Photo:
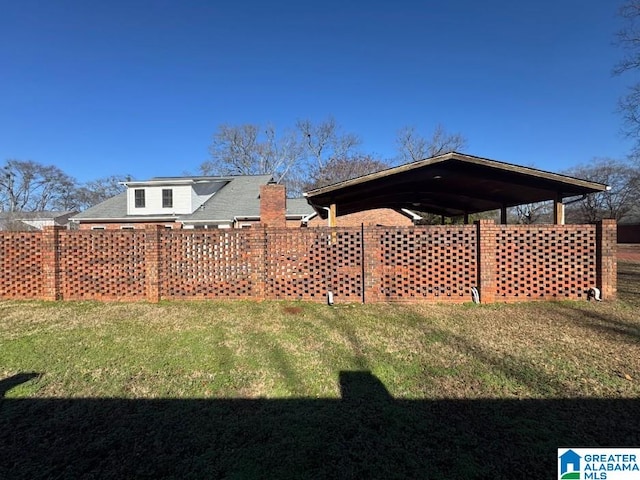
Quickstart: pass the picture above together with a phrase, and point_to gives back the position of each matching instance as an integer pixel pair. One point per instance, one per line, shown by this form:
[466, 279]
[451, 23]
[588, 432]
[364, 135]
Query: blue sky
[139, 87]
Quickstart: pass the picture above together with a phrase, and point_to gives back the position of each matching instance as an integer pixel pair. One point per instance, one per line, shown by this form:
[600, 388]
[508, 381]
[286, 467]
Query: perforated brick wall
[371, 264]
[205, 264]
[309, 263]
[102, 265]
[21, 265]
[545, 262]
[436, 263]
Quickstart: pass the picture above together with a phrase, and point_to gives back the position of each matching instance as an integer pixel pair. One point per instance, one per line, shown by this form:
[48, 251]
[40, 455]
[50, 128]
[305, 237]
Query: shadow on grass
[606, 322]
[629, 282]
[365, 434]
[15, 380]
[603, 323]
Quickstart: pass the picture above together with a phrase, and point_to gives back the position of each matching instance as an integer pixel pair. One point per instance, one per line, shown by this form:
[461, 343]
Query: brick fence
[367, 264]
[629, 233]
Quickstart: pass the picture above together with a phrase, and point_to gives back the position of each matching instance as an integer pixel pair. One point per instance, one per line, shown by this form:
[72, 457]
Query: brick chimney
[273, 205]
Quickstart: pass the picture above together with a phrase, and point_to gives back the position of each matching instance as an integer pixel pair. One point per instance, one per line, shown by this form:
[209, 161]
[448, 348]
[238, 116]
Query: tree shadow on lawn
[629, 282]
[364, 434]
[602, 322]
[15, 380]
[607, 322]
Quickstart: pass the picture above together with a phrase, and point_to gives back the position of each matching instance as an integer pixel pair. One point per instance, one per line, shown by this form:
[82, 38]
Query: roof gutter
[410, 214]
[306, 218]
[123, 219]
[288, 216]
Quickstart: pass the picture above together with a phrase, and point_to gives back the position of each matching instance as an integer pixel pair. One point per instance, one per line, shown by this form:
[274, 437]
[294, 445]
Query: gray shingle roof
[240, 197]
[299, 206]
[113, 208]
[16, 225]
[39, 215]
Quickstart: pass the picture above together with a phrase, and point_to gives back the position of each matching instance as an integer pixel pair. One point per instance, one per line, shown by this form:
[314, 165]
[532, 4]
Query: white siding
[182, 200]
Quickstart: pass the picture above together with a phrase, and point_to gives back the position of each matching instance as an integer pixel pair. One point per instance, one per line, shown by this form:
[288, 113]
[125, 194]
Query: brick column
[273, 205]
[606, 258]
[152, 256]
[51, 263]
[486, 239]
[371, 265]
[255, 256]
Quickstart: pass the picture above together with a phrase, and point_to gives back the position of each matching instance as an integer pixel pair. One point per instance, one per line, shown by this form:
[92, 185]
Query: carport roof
[451, 184]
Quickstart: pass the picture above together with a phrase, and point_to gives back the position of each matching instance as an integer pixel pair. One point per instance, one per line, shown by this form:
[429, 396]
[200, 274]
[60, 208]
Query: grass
[295, 390]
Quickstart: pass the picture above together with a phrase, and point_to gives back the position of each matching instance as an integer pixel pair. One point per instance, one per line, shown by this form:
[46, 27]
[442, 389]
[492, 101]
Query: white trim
[306, 218]
[127, 219]
[410, 214]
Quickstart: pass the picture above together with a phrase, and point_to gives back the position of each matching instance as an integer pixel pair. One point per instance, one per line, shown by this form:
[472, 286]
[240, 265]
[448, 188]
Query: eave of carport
[452, 184]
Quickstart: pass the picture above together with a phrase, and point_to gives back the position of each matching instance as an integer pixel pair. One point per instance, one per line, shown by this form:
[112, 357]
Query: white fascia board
[125, 219]
[410, 214]
[156, 183]
[206, 222]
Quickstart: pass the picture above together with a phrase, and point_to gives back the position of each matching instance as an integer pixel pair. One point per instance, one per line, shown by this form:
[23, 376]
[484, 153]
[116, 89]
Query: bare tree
[628, 38]
[30, 186]
[618, 203]
[95, 191]
[429, 218]
[340, 169]
[413, 147]
[252, 150]
[531, 213]
[325, 141]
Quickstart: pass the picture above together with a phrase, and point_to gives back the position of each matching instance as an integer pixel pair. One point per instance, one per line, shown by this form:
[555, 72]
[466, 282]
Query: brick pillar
[606, 258]
[152, 256]
[486, 239]
[51, 263]
[273, 205]
[255, 256]
[372, 268]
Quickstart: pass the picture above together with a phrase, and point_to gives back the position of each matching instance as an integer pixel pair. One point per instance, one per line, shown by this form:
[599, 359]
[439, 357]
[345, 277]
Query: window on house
[97, 228]
[139, 196]
[167, 198]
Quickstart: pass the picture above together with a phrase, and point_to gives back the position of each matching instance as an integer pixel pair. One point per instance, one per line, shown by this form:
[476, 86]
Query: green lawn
[299, 390]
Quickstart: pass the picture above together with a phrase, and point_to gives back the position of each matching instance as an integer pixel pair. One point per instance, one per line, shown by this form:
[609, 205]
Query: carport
[451, 185]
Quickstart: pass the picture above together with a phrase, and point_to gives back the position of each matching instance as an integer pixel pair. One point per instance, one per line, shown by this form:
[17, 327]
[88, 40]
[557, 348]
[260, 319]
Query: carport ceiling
[451, 184]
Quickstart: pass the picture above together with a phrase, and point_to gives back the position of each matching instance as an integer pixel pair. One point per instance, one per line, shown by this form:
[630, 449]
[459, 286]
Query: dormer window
[139, 198]
[167, 198]
[171, 196]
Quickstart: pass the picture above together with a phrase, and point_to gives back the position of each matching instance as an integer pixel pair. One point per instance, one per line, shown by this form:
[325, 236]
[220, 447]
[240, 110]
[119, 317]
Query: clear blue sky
[139, 86]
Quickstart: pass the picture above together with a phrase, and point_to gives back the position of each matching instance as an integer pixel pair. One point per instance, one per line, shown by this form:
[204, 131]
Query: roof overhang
[175, 181]
[451, 184]
[205, 221]
[150, 218]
